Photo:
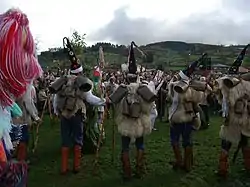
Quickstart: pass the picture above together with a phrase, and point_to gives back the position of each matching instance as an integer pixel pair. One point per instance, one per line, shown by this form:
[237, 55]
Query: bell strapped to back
[198, 85]
[246, 76]
[231, 81]
[57, 85]
[83, 83]
[181, 87]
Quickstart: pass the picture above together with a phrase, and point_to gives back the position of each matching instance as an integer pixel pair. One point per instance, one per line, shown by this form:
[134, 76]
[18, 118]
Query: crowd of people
[112, 79]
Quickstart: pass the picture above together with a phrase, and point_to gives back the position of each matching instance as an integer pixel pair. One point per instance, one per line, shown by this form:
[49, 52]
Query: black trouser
[161, 104]
[40, 105]
[205, 110]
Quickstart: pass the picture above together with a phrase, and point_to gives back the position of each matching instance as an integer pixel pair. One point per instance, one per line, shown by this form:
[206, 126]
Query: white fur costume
[236, 124]
[177, 113]
[153, 111]
[131, 127]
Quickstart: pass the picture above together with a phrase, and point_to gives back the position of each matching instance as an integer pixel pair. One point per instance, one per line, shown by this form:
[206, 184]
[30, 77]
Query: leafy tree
[78, 42]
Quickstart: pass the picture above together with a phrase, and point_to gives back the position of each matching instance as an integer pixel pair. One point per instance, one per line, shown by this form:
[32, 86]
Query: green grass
[44, 172]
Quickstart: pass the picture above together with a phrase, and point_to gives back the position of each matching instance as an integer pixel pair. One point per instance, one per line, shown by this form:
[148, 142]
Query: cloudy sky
[120, 21]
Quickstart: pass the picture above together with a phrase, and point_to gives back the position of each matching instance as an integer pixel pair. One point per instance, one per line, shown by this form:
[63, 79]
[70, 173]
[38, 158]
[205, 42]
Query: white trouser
[153, 116]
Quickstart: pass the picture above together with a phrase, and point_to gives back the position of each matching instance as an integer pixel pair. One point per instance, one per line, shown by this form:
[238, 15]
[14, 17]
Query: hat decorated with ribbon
[132, 67]
[187, 73]
[234, 69]
[75, 67]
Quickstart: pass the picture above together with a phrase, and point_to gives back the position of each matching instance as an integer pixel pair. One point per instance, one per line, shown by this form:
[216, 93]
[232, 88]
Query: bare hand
[38, 120]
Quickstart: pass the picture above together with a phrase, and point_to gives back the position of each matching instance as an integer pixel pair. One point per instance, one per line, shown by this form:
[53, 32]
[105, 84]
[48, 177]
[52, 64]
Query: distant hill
[169, 54]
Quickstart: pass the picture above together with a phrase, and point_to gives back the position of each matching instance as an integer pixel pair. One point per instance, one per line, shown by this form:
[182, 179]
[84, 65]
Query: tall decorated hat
[205, 62]
[231, 81]
[187, 73]
[75, 66]
[234, 69]
[132, 67]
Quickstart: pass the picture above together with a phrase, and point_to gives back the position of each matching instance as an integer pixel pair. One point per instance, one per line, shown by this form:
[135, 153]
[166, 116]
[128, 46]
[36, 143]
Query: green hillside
[169, 54]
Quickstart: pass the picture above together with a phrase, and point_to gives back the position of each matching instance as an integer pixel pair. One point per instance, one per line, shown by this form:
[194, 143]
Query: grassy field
[44, 172]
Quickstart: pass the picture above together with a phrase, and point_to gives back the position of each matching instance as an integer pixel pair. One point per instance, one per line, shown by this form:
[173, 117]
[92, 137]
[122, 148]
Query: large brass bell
[83, 83]
[119, 94]
[198, 85]
[231, 82]
[181, 87]
[57, 85]
[246, 76]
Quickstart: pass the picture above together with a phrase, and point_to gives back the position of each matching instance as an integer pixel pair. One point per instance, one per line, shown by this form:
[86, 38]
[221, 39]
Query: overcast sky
[121, 21]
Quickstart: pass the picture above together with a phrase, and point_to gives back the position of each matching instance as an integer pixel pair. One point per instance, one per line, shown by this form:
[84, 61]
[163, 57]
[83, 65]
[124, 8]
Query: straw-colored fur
[79, 100]
[219, 89]
[236, 124]
[28, 108]
[180, 115]
[131, 127]
[204, 95]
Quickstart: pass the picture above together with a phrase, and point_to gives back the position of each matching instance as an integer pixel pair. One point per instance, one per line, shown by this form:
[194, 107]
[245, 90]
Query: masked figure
[233, 95]
[72, 91]
[184, 115]
[133, 104]
[18, 69]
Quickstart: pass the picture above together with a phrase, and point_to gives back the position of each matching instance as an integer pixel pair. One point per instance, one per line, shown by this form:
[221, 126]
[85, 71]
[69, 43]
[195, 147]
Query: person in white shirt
[154, 113]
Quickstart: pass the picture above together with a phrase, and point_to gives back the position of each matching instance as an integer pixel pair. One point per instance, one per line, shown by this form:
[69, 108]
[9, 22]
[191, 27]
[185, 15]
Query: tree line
[166, 53]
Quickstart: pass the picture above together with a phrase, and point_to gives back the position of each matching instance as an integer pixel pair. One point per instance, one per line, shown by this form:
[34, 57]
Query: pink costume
[18, 68]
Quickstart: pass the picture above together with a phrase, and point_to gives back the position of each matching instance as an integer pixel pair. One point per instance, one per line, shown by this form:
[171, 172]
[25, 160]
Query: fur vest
[134, 127]
[235, 103]
[184, 107]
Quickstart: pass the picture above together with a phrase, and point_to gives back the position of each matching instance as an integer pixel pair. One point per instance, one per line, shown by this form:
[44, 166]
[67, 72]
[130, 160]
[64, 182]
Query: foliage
[92, 132]
[97, 90]
[44, 172]
[78, 42]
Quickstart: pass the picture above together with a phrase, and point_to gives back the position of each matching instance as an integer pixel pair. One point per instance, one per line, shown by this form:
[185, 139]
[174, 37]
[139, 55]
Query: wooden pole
[38, 126]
